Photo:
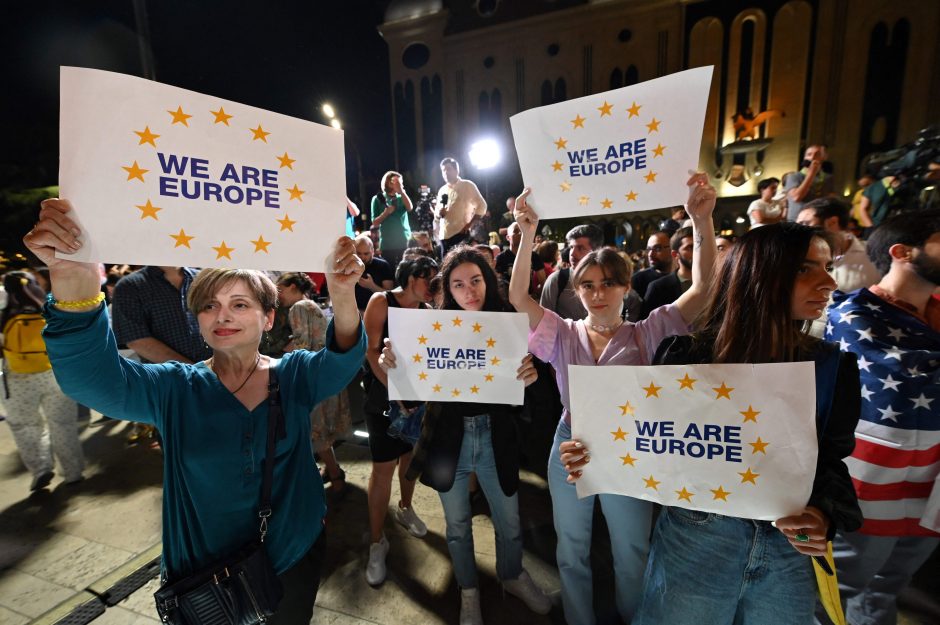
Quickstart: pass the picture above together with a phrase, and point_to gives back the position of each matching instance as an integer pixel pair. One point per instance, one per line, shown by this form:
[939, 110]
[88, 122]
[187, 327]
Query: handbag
[242, 588]
[405, 422]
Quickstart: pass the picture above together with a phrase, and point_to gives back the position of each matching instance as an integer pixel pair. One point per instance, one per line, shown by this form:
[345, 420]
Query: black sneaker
[42, 480]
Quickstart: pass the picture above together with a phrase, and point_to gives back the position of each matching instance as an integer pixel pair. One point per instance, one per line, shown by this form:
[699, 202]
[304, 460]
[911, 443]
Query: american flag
[897, 447]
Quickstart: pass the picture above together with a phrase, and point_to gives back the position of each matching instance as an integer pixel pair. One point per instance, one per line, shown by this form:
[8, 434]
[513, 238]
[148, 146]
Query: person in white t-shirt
[766, 209]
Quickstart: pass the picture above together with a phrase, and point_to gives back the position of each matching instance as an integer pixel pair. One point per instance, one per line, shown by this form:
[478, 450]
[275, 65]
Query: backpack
[23, 348]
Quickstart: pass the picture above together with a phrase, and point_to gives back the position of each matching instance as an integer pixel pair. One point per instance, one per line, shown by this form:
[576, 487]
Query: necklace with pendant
[245, 381]
[605, 329]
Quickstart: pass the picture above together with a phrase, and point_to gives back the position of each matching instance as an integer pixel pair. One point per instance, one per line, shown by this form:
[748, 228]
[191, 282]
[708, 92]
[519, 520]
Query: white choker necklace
[603, 329]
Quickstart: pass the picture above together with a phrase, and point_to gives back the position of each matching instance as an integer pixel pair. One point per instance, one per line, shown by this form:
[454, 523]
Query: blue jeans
[873, 570]
[708, 568]
[476, 455]
[629, 522]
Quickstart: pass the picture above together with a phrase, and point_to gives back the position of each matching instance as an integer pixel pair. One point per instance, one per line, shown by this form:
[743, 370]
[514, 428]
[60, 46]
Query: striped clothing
[897, 453]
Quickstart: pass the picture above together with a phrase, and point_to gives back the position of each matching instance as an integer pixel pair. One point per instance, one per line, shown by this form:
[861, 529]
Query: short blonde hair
[210, 281]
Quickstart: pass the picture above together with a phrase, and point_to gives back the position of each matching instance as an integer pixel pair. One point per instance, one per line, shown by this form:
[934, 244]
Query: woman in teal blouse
[212, 415]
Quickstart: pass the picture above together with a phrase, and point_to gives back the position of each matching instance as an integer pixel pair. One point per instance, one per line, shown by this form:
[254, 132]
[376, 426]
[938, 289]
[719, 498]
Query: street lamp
[485, 154]
[328, 111]
[335, 124]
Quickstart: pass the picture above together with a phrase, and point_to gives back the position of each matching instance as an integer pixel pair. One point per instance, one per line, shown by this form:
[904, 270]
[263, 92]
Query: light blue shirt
[213, 447]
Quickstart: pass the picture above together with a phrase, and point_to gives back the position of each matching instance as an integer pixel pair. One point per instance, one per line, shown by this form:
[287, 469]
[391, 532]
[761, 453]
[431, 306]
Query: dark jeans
[454, 241]
[301, 583]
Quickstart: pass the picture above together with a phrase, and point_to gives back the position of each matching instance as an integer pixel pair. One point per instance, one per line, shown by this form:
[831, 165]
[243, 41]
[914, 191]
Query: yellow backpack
[23, 348]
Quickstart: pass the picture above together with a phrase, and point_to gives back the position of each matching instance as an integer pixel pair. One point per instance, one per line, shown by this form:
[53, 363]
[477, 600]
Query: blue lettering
[199, 168]
[732, 454]
[234, 195]
[576, 157]
[214, 190]
[172, 162]
[250, 175]
[592, 154]
[639, 146]
[642, 444]
[626, 149]
[695, 450]
[573, 171]
[711, 430]
[732, 433]
[692, 432]
[168, 186]
[269, 178]
[272, 198]
[229, 173]
[192, 194]
[611, 153]
[641, 161]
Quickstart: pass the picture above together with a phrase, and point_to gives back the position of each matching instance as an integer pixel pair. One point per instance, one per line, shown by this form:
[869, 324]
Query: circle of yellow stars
[723, 391]
[135, 172]
[474, 389]
[607, 110]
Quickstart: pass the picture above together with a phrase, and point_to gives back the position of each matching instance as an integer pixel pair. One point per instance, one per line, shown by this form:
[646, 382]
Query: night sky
[279, 55]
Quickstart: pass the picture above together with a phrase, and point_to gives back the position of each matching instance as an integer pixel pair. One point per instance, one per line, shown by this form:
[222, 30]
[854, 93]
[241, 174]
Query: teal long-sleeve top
[213, 447]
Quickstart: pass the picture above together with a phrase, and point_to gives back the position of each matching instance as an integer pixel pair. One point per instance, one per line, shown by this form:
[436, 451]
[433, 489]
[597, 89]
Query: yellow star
[628, 459]
[495, 361]
[146, 136]
[583, 200]
[577, 122]
[286, 161]
[684, 494]
[758, 446]
[488, 377]
[423, 340]
[606, 203]
[749, 476]
[490, 342]
[135, 171]
[654, 125]
[259, 133]
[686, 382]
[287, 223]
[620, 435]
[221, 117]
[658, 150]
[652, 390]
[634, 110]
[455, 393]
[295, 193]
[477, 327]
[626, 409]
[436, 388]
[179, 117]
[565, 186]
[416, 358]
[723, 391]
[561, 144]
[223, 251]
[437, 326]
[261, 245]
[556, 166]
[474, 389]
[720, 493]
[456, 321]
[148, 210]
[650, 177]
[652, 483]
[631, 197]
[605, 108]
[182, 239]
[422, 376]
[750, 414]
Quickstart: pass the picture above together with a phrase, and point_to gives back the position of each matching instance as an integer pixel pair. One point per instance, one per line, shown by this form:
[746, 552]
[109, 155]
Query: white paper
[268, 190]
[743, 437]
[457, 355]
[645, 138]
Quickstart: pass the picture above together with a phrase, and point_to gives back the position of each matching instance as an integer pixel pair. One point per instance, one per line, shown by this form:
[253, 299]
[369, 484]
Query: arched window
[616, 78]
[547, 92]
[560, 91]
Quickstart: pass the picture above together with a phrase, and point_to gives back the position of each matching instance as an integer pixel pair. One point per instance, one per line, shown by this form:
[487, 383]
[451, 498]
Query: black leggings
[301, 583]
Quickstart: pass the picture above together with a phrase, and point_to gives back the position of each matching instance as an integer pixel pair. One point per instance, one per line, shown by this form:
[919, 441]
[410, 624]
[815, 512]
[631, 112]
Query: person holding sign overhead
[601, 279]
[460, 438]
[772, 283]
[214, 415]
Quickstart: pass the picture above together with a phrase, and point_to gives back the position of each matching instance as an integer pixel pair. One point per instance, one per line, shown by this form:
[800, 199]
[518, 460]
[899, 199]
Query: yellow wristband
[82, 303]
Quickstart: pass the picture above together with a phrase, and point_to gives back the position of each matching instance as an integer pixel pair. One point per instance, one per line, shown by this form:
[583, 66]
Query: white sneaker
[533, 596]
[375, 570]
[411, 522]
[470, 607]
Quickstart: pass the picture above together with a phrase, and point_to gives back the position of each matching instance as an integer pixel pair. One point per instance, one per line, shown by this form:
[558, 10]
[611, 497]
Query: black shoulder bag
[242, 588]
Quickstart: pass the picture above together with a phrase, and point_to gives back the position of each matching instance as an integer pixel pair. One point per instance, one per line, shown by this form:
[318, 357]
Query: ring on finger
[802, 537]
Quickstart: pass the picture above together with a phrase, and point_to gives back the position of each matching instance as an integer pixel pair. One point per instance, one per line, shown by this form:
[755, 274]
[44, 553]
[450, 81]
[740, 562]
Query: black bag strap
[276, 431]
[563, 275]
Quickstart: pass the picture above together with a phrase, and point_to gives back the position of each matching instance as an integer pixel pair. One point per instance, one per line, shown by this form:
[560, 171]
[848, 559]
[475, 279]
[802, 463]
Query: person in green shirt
[390, 208]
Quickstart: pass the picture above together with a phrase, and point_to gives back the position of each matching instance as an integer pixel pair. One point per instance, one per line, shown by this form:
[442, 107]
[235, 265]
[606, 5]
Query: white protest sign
[735, 439]
[457, 355]
[629, 149]
[164, 176]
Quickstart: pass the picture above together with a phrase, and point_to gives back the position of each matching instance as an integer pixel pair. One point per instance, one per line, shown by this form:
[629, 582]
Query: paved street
[63, 547]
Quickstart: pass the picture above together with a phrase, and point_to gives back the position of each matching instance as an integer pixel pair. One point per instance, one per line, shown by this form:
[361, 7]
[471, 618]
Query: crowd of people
[199, 359]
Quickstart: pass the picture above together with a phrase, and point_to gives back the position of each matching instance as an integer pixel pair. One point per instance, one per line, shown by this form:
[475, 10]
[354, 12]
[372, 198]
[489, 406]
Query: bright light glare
[361, 433]
[740, 220]
[328, 111]
[485, 154]
[335, 124]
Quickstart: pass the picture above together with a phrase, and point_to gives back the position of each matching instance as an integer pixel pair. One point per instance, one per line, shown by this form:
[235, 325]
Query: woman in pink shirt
[601, 279]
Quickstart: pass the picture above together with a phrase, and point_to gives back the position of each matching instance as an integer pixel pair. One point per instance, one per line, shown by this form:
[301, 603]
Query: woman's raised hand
[527, 219]
[526, 371]
[343, 267]
[574, 455]
[387, 357]
[702, 196]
